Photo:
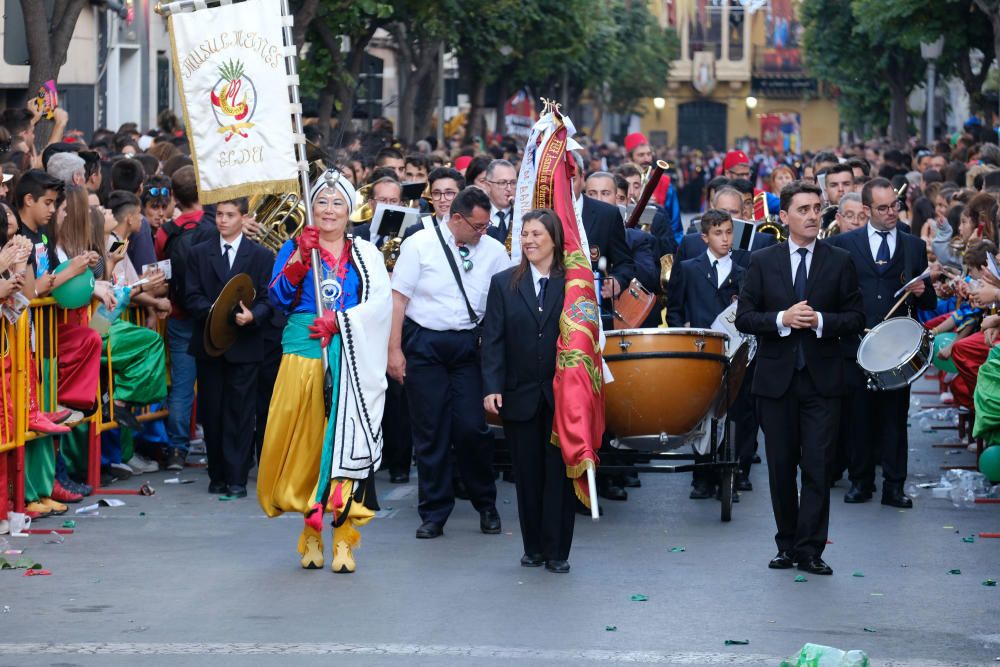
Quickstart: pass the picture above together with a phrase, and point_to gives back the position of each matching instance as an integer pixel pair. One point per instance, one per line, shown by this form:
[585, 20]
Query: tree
[328, 71]
[48, 29]
[991, 8]
[869, 63]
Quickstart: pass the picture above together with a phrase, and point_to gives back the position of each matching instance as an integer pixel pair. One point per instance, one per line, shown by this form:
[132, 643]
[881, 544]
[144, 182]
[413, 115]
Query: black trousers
[876, 433]
[444, 390]
[800, 431]
[267, 375]
[546, 507]
[397, 450]
[227, 407]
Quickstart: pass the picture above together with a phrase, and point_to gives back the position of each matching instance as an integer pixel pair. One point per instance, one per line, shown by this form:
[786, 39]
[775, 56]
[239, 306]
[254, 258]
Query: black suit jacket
[519, 343]
[877, 288]
[692, 246]
[606, 236]
[692, 296]
[647, 262]
[208, 273]
[832, 289]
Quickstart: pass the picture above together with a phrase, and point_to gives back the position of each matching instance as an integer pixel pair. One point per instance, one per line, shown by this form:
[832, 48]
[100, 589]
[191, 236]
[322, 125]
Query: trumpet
[363, 209]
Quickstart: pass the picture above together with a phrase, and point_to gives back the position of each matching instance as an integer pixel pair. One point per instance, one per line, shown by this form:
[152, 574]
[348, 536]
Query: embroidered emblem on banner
[234, 100]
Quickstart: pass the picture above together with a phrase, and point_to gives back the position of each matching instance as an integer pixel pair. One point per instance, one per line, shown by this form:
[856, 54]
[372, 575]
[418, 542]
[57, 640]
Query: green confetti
[737, 642]
[954, 572]
[69, 523]
[968, 540]
[639, 597]
[859, 573]
[870, 630]
[677, 550]
[610, 628]
[990, 582]
[142, 514]
[799, 579]
[225, 498]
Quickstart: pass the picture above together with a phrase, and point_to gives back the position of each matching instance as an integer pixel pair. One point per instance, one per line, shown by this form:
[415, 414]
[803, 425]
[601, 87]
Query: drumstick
[896, 307]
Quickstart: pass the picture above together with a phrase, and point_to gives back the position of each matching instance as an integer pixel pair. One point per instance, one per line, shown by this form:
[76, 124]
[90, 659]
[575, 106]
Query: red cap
[635, 140]
[462, 162]
[734, 158]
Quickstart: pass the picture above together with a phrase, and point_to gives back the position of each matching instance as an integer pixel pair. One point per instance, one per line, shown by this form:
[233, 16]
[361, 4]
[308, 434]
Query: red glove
[308, 241]
[324, 328]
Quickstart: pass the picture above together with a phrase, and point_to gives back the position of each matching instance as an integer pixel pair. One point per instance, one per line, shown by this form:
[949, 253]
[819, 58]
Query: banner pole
[595, 512]
[292, 68]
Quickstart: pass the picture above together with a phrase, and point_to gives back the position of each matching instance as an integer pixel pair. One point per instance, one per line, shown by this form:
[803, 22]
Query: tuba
[363, 209]
[281, 217]
[771, 223]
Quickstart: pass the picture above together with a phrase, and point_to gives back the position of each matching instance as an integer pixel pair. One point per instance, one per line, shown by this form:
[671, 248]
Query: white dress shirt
[875, 240]
[724, 267]
[234, 246]
[796, 258]
[508, 213]
[422, 274]
[536, 275]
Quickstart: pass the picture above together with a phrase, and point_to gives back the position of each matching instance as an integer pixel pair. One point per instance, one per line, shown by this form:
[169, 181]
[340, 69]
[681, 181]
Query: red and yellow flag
[579, 382]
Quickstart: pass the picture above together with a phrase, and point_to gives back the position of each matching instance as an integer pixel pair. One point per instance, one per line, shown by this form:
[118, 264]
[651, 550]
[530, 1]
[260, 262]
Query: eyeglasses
[479, 229]
[502, 184]
[324, 203]
[158, 192]
[466, 262]
[851, 216]
[884, 208]
[446, 195]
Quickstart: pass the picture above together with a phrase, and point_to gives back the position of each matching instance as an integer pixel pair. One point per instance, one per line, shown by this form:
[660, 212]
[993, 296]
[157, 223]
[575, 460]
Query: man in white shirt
[434, 352]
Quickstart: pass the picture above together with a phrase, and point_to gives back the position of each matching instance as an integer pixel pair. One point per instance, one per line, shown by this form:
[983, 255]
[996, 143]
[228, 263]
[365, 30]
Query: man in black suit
[799, 298]
[700, 288]
[729, 200]
[227, 384]
[886, 258]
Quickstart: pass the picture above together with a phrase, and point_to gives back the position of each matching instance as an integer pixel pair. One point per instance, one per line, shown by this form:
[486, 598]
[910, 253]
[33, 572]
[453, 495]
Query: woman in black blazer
[519, 362]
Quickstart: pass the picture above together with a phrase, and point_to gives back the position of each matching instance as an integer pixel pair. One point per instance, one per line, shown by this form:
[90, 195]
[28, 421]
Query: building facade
[739, 80]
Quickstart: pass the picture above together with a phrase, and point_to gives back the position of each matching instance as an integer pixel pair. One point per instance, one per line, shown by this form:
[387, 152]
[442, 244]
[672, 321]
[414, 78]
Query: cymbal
[221, 330]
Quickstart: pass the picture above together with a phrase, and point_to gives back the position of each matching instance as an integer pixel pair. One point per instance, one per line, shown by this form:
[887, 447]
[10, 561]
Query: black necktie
[225, 254]
[800, 274]
[800, 294]
[714, 274]
[503, 224]
[542, 284]
[883, 256]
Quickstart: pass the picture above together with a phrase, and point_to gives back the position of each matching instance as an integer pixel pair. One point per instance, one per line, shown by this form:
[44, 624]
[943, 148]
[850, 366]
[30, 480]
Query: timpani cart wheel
[727, 473]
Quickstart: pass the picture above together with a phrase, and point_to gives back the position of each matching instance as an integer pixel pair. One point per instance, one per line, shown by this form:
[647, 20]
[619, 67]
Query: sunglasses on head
[158, 192]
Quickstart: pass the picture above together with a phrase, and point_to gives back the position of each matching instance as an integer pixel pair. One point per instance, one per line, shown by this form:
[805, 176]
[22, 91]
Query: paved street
[182, 578]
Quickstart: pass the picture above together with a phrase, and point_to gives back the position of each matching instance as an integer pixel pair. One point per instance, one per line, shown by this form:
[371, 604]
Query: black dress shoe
[743, 483]
[217, 487]
[702, 490]
[892, 494]
[429, 530]
[237, 491]
[557, 566]
[399, 477]
[857, 494]
[815, 565]
[612, 492]
[783, 561]
[489, 521]
[532, 560]
[631, 480]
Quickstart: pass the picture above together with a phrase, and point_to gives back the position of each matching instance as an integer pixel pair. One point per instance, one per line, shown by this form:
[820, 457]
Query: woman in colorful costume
[321, 449]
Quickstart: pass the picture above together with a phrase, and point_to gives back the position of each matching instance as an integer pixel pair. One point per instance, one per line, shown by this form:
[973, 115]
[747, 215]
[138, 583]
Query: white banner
[229, 63]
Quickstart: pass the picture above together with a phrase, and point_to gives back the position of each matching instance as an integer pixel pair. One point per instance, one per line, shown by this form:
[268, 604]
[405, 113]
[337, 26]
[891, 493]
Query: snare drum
[895, 353]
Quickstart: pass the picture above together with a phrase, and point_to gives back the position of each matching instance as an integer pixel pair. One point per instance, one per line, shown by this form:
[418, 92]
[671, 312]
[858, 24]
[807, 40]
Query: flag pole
[595, 512]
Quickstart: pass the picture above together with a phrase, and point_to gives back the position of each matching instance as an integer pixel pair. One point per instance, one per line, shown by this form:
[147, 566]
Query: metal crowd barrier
[34, 339]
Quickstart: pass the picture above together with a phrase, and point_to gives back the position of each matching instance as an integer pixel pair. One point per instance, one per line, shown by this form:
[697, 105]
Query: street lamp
[659, 103]
[931, 51]
[751, 103]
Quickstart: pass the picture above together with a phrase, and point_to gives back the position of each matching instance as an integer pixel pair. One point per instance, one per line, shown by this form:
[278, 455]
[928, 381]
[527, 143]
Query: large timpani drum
[665, 380]
[895, 353]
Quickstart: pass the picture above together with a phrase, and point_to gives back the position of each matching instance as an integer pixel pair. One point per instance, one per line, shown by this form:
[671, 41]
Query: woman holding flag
[323, 442]
[519, 363]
